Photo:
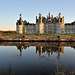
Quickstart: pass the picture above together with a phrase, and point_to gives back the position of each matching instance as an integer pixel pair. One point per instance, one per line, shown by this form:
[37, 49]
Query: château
[43, 25]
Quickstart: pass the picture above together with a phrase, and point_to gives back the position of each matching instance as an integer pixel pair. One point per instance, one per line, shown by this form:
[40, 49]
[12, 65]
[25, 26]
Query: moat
[37, 58]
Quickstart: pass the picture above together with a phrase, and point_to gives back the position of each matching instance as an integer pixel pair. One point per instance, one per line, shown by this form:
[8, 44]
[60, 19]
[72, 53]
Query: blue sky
[10, 10]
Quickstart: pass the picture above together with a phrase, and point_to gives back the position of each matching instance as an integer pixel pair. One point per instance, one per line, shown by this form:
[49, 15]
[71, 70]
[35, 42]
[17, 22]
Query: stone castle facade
[43, 25]
[70, 28]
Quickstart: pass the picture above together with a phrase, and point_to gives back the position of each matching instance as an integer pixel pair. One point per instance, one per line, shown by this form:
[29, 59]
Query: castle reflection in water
[21, 48]
[49, 50]
[42, 47]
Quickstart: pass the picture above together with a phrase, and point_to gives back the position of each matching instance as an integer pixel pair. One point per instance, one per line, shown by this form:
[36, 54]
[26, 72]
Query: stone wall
[61, 38]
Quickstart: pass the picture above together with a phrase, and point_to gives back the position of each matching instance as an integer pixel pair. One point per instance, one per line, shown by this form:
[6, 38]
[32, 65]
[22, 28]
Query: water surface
[37, 60]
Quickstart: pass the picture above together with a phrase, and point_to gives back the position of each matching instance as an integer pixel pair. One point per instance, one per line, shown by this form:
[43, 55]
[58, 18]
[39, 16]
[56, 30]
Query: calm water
[37, 60]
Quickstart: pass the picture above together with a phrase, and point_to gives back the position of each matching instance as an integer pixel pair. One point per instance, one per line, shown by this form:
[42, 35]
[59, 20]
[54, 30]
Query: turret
[19, 25]
[41, 25]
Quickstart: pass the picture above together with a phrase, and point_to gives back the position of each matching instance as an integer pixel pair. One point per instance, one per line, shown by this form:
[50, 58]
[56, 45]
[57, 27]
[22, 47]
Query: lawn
[14, 34]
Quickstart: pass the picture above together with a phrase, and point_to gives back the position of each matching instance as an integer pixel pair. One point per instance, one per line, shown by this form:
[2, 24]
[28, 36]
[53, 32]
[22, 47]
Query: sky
[10, 10]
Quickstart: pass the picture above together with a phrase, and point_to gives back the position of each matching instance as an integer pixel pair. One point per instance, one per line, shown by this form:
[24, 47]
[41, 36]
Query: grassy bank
[13, 34]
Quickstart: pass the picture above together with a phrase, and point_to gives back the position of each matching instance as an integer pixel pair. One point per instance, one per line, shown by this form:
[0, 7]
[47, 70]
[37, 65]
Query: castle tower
[41, 25]
[63, 26]
[19, 25]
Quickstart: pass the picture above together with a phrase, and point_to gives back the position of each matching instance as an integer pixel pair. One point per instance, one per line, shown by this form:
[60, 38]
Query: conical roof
[20, 20]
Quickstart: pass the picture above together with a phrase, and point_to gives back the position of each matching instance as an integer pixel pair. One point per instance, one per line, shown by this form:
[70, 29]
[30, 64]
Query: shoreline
[36, 41]
[45, 44]
[37, 38]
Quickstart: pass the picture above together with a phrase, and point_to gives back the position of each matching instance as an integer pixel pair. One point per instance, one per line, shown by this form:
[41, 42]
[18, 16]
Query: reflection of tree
[48, 50]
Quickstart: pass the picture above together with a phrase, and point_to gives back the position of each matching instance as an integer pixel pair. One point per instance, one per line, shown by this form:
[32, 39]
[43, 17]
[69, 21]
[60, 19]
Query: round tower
[19, 25]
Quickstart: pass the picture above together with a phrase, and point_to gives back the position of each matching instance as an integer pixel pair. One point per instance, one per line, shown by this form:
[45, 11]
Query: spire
[49, 14]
